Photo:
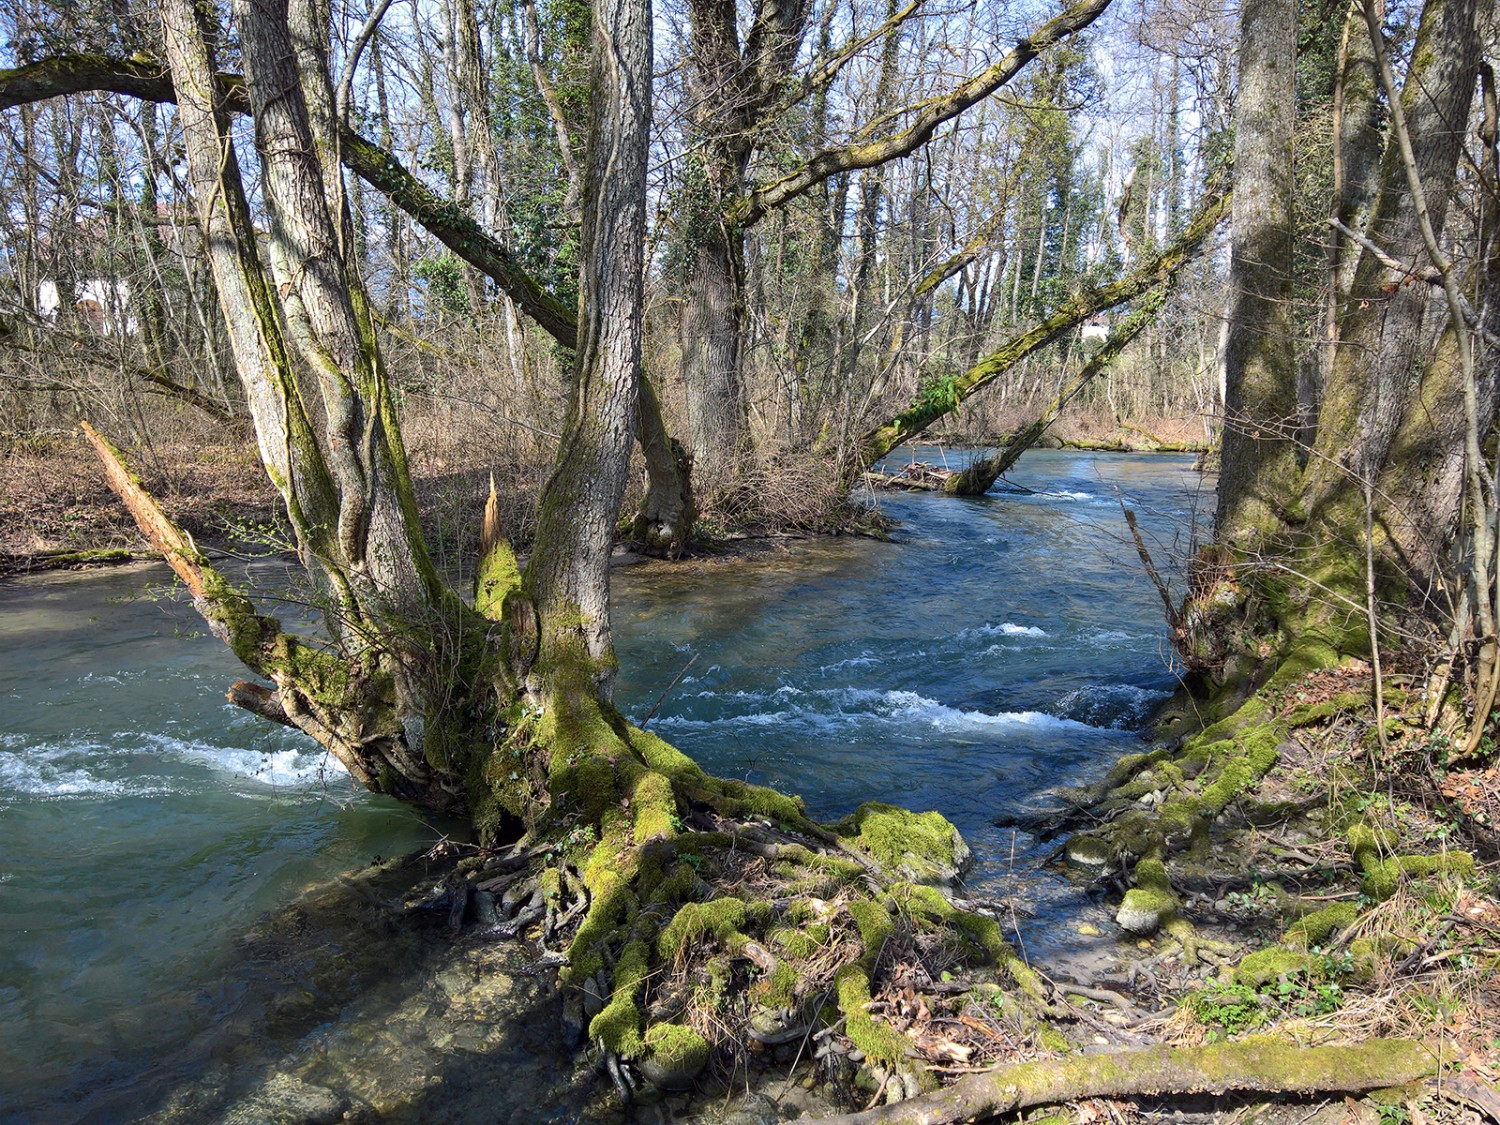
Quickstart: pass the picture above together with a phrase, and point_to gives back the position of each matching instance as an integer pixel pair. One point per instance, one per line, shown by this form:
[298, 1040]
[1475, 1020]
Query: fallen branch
[1468, 1090]
[1174, 619]
[1262, 1063]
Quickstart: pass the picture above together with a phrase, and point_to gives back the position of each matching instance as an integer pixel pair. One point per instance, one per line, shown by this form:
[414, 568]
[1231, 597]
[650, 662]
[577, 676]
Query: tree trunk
[717, 410]
[568, 577]
[1258, 460]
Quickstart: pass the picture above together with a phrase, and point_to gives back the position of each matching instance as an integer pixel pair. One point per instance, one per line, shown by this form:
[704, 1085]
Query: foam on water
[54, 772]
[910, 705]
[1004, 629]
[850, 707]
[83, 767]
[286, 768]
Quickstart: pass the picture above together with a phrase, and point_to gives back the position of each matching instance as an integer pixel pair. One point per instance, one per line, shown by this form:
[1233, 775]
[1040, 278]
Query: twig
[1385, 745]
[663, 697]
[1173, 618]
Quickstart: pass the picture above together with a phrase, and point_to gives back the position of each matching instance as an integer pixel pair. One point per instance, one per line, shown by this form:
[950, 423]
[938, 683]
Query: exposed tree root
[1260, 1064]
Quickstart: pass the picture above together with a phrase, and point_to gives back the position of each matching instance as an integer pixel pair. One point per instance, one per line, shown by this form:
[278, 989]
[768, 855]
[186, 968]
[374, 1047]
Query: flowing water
[1003, 645]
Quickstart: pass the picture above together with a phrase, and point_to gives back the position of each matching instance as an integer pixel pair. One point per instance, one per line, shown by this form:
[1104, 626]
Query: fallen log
[1262, 1063]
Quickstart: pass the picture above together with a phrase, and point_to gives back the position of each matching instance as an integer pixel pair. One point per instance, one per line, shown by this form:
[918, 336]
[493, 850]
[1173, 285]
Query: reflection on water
[1004, 645]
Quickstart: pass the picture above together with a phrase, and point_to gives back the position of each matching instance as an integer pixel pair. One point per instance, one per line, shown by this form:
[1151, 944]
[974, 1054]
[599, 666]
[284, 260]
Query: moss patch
[921, 847]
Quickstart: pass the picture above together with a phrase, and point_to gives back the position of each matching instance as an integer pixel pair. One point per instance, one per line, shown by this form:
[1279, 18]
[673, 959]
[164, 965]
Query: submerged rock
[285, 1100]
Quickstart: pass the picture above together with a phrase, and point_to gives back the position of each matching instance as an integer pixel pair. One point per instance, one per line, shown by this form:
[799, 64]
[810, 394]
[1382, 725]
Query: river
[1000, 646]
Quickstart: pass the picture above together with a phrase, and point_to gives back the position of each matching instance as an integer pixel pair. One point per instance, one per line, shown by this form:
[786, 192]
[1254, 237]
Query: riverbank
[57, 513]
[842, 671]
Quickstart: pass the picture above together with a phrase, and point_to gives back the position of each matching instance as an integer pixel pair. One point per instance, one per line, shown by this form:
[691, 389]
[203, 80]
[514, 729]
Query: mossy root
[1261, 1063]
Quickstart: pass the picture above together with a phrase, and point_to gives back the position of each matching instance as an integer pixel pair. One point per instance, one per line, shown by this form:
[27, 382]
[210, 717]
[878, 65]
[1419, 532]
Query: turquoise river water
[1001, 646]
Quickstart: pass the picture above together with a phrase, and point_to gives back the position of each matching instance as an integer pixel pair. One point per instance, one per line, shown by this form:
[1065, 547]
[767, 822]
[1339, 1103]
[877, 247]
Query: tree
[501, 710]
[1301, 555]
[1260, 405]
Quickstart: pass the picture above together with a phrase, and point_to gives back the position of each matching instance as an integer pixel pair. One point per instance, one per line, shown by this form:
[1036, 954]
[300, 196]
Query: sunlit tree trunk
[1258, 463]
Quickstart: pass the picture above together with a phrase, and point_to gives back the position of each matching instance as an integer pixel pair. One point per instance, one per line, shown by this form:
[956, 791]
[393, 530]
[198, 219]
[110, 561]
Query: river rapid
[999, 647]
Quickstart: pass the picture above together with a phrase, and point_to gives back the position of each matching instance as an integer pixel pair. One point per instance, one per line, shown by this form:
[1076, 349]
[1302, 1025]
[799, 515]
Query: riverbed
[999, 647]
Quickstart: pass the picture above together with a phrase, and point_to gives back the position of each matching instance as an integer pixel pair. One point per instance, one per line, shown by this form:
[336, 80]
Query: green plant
[1227, 1008]
[1259, 899]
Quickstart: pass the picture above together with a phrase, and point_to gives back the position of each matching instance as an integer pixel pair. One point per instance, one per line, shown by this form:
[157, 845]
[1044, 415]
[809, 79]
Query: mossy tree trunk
[1286, 579]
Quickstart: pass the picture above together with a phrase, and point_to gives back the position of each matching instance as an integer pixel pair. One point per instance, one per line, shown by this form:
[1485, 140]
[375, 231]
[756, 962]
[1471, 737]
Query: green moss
[677, 1048]
[551, 883]
[721, 919]
[497, 577]
[757, 800]
[882, 1045]
[923, 847]
[1088, 851]
[1319, 926]
[1382, 879]
[1253, 711]
[1151, 903]
[1308, 713]
[800, 944]
[1383, 873]
[666, 759]
[1257, 755]
[1268, 965]
[875, 928]
[619, 1024]
[1136, 832]
[654, 807]
[584, 784]
[1051, 1039]
[780, 989]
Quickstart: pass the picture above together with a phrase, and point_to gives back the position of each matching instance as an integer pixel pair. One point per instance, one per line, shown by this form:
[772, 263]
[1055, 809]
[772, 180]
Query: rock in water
[1088, 851]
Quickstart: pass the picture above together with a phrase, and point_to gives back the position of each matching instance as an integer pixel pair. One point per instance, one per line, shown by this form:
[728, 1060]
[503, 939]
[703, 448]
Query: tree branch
[928, 408]
[831, 161]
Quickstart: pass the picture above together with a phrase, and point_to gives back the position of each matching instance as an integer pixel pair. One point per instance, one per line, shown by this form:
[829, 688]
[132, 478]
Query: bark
[732, 88]
[937, 402]
[717, 409]
[1261, 1064]
[1379, 424]
[379, 555]
[1258, 459]
[664, 524]
[568, 577]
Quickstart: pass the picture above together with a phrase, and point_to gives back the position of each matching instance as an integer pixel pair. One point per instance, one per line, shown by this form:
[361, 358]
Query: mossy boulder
[1088, 852]
[675, 1056]
[1151, 903]
[918, 847]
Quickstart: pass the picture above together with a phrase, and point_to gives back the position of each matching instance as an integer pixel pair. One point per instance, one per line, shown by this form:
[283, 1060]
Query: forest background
[776, 338]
